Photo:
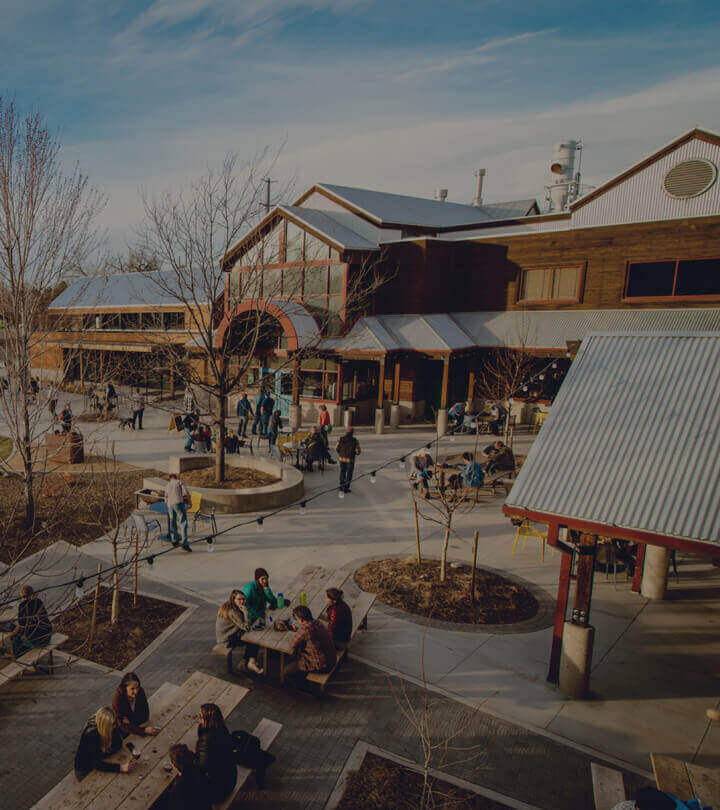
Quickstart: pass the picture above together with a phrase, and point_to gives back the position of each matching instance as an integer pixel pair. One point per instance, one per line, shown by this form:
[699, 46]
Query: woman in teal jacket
[258, 594]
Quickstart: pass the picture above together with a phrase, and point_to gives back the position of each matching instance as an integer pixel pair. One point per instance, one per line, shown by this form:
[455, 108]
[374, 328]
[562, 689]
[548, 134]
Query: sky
[396, 96]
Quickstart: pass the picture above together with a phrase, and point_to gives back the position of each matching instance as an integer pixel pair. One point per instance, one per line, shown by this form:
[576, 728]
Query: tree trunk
[28, 476]
[220, 447]
[115, 608]
[417, 532]
[443, 557]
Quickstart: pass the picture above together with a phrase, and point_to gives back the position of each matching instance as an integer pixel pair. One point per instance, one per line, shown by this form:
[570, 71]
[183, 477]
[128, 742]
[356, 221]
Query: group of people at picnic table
[202, 778]
[496, 457]
[315, 643]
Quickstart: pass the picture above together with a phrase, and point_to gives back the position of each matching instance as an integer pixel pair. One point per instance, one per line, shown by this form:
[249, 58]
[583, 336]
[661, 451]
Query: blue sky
[401, 96]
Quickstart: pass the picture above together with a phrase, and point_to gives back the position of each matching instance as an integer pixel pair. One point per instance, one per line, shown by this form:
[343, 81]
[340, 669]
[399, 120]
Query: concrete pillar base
[442, 421]
[379, 421]
[295, 417]
[348, 417]
[394, 416]
[576, 660]
[655, 571]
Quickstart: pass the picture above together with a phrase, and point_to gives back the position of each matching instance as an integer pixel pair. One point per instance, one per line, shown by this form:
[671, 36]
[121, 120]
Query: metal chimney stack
[480, 174]
[441, 194]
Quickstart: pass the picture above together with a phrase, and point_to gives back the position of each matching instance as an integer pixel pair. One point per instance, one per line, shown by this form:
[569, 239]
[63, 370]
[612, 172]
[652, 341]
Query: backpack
[247, 751]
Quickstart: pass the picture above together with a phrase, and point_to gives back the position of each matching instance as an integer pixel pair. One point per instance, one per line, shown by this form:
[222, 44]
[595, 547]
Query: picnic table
[686, 780]
[176, 713]
[160, 508]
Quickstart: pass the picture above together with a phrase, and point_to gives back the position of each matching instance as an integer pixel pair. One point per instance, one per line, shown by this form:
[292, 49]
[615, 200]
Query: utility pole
[267, 182]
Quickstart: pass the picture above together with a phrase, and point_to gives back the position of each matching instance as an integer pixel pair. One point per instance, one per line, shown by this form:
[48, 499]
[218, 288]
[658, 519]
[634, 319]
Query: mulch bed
[400, 583]
[386, 785]
[235, 478]
[116, 645]
[76, 508]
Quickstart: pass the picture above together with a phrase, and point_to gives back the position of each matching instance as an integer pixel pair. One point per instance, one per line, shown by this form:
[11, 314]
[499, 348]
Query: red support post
[560, 611]
[639, 564]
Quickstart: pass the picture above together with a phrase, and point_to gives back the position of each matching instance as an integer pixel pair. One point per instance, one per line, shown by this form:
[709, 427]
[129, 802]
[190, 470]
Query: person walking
[190, 423]
[66, 418]
[273, 429]
[244, 412]
[189, 401]
[176, 498]
[137, 403]
[268, 407]
[347, 449]
[52, 407]
[257, 422]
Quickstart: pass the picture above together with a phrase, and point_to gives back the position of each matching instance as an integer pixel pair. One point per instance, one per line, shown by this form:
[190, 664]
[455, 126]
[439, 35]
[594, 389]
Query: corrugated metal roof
[334, 225]
[633, 438]
[118, 290]
[422, 212]
[304, 324]
[531, 330]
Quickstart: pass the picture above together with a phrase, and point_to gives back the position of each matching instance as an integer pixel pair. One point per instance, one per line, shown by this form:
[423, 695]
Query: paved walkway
[655, 664]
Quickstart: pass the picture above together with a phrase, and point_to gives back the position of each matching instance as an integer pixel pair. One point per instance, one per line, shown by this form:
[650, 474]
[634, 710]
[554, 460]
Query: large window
[551, 283]
[673, 278]
[319, 379]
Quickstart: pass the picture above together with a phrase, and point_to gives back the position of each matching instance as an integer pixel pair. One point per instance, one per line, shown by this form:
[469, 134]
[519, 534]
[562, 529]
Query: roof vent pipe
[441, 194]
[480, 174]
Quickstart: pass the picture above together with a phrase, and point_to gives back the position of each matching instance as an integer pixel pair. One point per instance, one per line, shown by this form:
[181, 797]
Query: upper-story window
[551, 284]
[686, 278]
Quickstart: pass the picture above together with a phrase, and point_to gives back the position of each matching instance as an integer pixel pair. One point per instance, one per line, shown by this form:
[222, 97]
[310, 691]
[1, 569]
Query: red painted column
[639, 565]
[560, 610]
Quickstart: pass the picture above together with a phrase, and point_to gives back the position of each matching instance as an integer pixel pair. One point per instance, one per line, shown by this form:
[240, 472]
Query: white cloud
[474, 57]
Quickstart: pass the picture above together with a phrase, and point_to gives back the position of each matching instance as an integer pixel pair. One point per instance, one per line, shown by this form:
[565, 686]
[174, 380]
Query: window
[174, 320]
[272, 283]
[271, 246]
[319, 379]
[671, 279]
[315, 281]
[550, 284]
[293, 243]
[292, 282]
[315, 250]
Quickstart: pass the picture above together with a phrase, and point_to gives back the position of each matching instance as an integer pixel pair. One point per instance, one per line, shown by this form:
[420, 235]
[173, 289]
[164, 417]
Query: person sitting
[66, 418]
[33, 628]
[312, 647]
[649, 798]
[423, 463]
[339, 618]
[456, 414]
[315, 449]
[131, 707]
[232, 442]
[472, 472]
[258, 594]
[498, 456]
[499, 415]
[214, 753]
[233, 620]
[191, 789]
[100, 739]
[206, 434]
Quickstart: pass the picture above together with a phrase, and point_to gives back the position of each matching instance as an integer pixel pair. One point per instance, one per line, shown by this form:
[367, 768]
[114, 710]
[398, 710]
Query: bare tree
[47, 229]
[192, 232]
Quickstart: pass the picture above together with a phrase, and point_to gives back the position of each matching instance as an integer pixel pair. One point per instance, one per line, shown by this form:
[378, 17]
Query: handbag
[247, 751]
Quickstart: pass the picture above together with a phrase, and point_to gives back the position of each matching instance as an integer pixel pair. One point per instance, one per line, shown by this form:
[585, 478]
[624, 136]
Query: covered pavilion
[630, 452]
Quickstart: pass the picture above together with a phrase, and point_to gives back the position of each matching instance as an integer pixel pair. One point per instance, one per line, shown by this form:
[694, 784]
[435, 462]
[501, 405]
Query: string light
[260, 522]
[210, 545]
[428, 445]
[151, 559]
[341, 493]
[401, 463]
[373, 477]
[79, 588]
[554, 365]
[541, 376]
[303, 508]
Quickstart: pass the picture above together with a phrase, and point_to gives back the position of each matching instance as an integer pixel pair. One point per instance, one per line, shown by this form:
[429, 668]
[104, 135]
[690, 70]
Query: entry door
[283, 392]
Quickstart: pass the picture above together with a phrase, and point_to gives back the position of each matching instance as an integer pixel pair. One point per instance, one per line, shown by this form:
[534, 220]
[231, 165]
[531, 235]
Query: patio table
[160, 508]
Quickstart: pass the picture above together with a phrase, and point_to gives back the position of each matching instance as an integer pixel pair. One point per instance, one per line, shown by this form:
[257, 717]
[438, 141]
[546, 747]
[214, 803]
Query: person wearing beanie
[339, 618]
[258, 594]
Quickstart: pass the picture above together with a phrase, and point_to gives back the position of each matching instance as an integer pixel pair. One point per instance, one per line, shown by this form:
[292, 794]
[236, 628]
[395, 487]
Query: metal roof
[336, 226]
[520, 329]
[301, 319]
[117, 291]
[420, 212]
[633, 438]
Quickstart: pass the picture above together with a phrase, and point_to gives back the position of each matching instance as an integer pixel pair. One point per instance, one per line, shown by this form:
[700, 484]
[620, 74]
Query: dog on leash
[125, 421]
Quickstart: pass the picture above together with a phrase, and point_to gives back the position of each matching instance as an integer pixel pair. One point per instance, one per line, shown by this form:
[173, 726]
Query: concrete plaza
[655, 665]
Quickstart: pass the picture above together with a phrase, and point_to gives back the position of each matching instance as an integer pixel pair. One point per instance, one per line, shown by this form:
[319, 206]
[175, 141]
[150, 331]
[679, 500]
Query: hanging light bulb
[401, 463]
[554, 365]
[373, 477]
[428, 445]
[303, 508]
[511, 400]
[452, 436]
[260, 525]
[541, 377]
[341, 493]
[525, 388]
[79, 588]
[151, 559]
[210, 545]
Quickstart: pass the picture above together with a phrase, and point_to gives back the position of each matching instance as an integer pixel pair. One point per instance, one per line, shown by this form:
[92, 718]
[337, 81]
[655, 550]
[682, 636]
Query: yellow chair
[195, 510]
[540, 417]
[527, 529]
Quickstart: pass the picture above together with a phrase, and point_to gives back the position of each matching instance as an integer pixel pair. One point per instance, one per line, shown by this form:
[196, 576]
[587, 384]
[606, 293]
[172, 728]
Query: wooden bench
[608, 786]
[685, 780]
[266, 731]
[360, 603]
[31, 658]
[67, 793]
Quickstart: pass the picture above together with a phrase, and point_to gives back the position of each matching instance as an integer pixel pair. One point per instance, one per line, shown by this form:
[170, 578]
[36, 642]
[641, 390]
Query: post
[94, 610]
[137, 541]
[396, 383]
[442, 417]
[417, 530]
[470, 392]
[172, 378]
[295, 409]
[474, 567]
[655, 571]
[380, 411]
[639, 565]
[560, 611]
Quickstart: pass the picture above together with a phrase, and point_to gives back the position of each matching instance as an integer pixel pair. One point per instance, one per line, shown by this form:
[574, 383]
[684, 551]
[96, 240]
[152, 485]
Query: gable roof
[693, 134]
[117, 291]
[400, 209]
[631, 447]
[335, 226]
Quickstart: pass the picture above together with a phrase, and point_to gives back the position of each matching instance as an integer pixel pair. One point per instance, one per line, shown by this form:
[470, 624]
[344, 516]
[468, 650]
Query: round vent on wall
[690, 178]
